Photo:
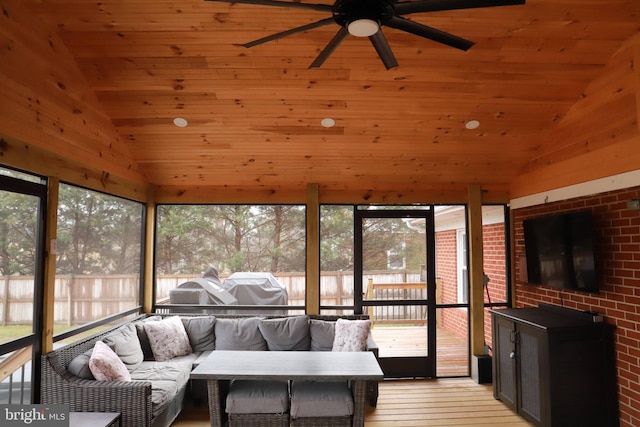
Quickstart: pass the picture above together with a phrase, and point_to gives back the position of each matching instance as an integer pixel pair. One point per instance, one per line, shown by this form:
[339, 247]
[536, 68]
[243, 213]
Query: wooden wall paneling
[45, 101]
[596, 137]
[34, 159]
[254, 113]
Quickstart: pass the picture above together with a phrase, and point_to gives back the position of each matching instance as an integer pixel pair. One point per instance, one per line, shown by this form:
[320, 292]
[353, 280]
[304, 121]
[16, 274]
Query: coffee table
[357, 367]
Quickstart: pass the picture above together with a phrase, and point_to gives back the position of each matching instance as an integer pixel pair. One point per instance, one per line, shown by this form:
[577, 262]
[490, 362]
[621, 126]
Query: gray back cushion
[79, 365]
[239, 334]
[289, 333]
[322, 333]
[142, 335]
[125, 343]
[200, 331]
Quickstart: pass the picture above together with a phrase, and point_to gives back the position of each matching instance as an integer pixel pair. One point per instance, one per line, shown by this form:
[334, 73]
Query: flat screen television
[560, 251]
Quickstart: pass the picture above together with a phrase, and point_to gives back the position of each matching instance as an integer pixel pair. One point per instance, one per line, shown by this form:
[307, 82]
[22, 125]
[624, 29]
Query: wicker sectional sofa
[154, 396]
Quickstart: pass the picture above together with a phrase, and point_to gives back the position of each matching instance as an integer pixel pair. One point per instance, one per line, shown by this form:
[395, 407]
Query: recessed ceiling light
[180, 122]
[328, 122]
[472, 124]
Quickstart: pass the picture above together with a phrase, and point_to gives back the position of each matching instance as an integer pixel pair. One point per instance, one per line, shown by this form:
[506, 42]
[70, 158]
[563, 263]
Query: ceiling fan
[364, 18]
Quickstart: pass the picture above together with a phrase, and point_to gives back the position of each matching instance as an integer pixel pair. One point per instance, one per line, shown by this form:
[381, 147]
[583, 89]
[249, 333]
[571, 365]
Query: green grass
[12, 332]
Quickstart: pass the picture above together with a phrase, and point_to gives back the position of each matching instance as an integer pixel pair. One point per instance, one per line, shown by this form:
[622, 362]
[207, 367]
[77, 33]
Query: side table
[94, 419]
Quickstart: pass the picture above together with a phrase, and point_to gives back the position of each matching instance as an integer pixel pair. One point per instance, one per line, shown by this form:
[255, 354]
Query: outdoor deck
[452, 353]
[453, 402]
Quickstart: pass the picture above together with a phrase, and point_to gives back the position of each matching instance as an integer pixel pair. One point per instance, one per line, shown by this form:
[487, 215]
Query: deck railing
[399, 314]
[15, 379]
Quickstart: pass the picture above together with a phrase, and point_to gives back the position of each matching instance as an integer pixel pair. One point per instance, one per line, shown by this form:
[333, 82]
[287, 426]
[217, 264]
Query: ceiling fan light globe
[363, 27]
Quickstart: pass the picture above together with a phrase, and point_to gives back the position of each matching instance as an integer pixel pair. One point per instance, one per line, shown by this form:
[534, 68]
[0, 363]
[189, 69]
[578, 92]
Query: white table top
[289, 365]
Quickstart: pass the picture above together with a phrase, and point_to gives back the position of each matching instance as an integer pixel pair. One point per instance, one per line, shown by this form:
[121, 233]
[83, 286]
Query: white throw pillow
[105, 365]
[351, 335]
[168, 338]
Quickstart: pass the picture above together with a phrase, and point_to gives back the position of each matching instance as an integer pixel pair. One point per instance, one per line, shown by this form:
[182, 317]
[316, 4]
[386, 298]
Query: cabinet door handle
[512, 355]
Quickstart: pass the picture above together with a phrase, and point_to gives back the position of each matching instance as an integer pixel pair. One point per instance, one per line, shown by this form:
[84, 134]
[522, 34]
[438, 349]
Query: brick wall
[618, 259]
[494, 254]
[495, 266]
[446, 265]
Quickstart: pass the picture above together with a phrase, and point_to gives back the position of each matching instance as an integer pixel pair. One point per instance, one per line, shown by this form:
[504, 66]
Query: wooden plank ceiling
[254, 113]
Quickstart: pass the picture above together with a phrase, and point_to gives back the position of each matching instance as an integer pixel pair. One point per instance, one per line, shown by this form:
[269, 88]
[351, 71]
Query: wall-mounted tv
[560, 251]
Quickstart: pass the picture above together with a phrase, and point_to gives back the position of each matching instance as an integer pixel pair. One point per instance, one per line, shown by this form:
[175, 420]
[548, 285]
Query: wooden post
[476, 296]
[48, 297]
[148, 297]
[312, 288]
[370, 295]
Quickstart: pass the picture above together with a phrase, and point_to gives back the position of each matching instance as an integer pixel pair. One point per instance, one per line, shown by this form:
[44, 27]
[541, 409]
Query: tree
[230, 237]
[336, 238]
[97, 233]
[18, 233]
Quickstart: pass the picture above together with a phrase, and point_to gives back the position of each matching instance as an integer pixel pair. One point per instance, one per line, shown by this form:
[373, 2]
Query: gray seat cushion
[320, 399]
[167, 379]
[178, 370]
[258, 397]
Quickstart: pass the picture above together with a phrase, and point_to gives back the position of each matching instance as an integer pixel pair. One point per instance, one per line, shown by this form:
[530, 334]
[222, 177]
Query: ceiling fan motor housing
[347, 11]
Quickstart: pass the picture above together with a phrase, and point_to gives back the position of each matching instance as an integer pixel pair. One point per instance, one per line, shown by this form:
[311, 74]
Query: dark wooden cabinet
[555, 366]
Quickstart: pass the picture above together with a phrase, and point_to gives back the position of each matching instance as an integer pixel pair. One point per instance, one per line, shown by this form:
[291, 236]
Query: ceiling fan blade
[380, 43]
[422, 30]
[278, 3]
[403, 8]
[296, 30]
[330, 47]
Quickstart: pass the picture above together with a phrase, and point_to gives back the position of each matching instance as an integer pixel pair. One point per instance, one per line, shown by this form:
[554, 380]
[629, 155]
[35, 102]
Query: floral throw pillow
[168, 338]
[105, 365]
[351, 335]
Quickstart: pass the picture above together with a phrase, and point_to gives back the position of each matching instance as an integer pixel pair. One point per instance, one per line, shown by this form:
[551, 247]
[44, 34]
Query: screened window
[99, 252]
[22, 201]
[336, 258]
[20, 230]
[246, 254]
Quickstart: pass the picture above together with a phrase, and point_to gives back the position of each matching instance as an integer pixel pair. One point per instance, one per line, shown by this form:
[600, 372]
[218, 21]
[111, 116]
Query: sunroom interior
[108, 204]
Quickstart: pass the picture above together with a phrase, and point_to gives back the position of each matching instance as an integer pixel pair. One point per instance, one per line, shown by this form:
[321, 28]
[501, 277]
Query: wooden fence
[81, 299]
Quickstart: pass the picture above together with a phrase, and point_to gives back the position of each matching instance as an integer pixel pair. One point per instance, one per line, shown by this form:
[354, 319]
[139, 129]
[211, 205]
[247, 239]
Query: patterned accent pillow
[168, 338]
[105, 365]
[351, 335]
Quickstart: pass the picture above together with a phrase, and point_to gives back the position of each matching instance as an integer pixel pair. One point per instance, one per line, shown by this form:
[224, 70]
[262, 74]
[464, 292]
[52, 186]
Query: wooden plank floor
[458, 402]
[452, 351]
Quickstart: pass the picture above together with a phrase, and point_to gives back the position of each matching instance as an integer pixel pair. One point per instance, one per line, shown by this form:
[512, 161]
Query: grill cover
[256, 289]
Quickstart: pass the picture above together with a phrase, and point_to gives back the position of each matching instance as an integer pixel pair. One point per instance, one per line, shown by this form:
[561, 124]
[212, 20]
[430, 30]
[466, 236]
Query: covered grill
[205, 290]
[256, 289]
